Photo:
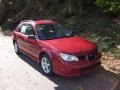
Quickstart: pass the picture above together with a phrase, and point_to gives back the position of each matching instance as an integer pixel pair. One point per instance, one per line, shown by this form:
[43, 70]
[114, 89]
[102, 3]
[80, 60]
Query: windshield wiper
[58, 37]
[64, 36]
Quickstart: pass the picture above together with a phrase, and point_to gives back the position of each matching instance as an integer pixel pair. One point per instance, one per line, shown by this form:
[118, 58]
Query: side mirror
[31, 36]
[72, 32]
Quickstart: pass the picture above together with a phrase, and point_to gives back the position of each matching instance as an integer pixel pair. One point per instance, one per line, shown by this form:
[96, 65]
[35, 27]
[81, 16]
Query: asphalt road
[21, 73]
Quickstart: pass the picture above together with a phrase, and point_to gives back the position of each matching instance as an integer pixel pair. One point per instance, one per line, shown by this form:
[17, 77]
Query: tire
[46, 65]
[16, 48]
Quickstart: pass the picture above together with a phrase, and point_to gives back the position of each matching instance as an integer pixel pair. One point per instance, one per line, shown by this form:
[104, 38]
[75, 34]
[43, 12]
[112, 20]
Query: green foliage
[117, 53]
[77, 26]
[103, 31]
[109, 6]
[1, 11]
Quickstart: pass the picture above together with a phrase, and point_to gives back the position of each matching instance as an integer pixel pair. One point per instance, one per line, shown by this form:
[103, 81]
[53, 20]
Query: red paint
[71, 45]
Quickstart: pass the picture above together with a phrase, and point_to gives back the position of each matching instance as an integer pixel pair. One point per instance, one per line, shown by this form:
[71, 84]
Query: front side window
[53, 31]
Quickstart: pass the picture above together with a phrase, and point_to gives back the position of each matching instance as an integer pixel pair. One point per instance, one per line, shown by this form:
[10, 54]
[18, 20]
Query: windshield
[53, 31]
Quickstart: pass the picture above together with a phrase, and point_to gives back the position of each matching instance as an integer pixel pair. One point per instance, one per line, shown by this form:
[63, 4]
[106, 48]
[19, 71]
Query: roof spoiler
[26, 20]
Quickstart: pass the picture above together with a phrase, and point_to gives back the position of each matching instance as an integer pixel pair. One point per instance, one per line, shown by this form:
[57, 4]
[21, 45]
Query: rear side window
[23, 29]
[27, 29]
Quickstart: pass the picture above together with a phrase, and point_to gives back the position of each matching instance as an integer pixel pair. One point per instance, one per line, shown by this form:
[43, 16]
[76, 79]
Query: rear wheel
[16, 48]
[46, 65]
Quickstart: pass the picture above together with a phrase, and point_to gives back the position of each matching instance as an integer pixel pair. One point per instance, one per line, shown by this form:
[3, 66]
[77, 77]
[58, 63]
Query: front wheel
[46, 65]
[16, 48]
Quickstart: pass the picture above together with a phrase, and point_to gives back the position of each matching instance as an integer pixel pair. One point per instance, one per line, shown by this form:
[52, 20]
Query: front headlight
[68, 57]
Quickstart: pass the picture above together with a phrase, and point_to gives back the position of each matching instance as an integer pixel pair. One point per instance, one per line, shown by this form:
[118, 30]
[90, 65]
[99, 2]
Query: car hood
[72, 45]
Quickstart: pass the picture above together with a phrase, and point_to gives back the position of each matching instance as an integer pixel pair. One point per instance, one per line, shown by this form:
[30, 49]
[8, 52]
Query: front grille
[82, 57]
[91, 56]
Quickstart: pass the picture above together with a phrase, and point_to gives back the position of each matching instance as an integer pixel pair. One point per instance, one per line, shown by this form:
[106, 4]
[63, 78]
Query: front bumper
[72, 70]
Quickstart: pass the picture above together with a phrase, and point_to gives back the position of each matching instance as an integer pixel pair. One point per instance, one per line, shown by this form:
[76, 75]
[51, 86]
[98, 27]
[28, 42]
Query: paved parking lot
[21, 73]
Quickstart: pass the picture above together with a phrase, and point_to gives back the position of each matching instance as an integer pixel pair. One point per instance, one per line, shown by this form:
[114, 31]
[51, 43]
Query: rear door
[21, 37]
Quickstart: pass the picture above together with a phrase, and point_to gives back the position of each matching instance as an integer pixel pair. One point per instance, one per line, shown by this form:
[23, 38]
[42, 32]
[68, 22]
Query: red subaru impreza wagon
[55, 48]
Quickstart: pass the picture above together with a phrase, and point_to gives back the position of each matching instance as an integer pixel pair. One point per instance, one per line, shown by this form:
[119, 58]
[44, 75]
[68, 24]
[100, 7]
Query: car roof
[40, 21]
[45, 22]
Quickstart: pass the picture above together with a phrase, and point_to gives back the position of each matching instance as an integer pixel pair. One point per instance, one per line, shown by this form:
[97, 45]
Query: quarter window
[27, 30]
[23, 29]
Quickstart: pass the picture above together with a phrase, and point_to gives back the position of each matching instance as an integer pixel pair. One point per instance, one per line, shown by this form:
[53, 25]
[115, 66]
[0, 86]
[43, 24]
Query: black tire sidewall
[17, 47]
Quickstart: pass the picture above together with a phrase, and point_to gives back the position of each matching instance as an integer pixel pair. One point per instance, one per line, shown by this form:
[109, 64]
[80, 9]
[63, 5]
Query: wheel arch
[44, 53]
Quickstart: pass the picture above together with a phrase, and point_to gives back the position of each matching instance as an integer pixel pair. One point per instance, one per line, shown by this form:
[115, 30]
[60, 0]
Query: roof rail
[27, 20]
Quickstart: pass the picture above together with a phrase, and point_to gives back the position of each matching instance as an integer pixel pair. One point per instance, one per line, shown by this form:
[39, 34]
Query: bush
[109, 6]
